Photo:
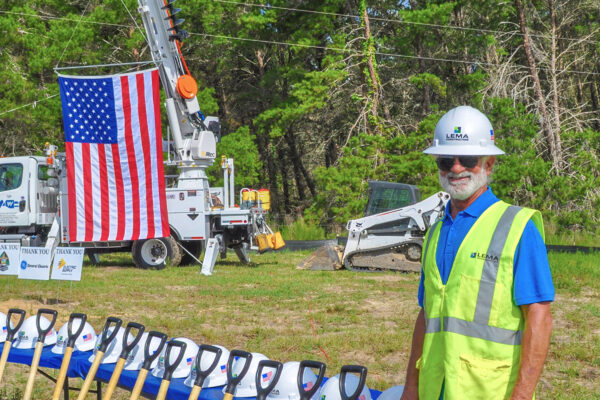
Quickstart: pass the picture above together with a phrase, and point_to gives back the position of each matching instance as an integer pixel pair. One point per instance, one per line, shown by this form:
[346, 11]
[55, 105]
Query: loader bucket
[325, 258]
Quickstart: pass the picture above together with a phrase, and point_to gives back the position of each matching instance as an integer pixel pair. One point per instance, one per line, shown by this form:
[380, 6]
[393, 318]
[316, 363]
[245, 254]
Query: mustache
[464, 174]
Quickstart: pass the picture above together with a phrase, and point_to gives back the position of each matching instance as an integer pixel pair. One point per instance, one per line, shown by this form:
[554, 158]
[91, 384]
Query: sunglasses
[446, 163]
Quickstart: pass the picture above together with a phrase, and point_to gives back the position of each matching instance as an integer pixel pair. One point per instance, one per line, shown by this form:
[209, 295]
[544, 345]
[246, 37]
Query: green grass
[289, 314]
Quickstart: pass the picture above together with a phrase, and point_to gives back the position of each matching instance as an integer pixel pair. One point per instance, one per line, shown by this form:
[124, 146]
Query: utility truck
[34, 200]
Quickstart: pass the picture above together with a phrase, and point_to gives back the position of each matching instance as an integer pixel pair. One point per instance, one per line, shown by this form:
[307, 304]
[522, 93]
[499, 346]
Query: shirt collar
[481, 203]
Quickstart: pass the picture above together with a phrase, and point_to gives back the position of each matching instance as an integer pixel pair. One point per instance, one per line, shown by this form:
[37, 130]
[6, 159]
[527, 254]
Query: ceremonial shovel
[231, 380]
[170, 367]
[71, 338]
[105, 339]
[262, 393]
[302, 389]
[10, 335]
[39, 346]
[148, 359]
[114, 379]
[201, 374]
[358, 369]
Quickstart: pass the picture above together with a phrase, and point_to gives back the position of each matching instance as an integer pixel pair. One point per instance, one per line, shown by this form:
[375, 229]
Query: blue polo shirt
[532, 278]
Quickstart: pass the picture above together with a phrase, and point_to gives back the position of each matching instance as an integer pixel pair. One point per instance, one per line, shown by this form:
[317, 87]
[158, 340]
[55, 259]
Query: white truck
[34, 190]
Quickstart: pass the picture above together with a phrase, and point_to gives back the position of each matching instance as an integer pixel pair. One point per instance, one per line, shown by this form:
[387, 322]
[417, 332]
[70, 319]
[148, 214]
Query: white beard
[462, 191]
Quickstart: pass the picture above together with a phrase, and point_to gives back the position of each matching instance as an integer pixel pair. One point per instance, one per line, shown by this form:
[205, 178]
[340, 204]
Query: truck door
[13, 195]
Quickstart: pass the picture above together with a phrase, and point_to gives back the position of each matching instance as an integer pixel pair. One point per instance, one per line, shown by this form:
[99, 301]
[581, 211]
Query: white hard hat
[84, 342]
[331, 389]
[184, 367]
[247, 386]
[464, 131]
[115, 347]
[135, 359]
[4, 326]
[28, 334]
[218, 376]
[287, 386]
[393, 393]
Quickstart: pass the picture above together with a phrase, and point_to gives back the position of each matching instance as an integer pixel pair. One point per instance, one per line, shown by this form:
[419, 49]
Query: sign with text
[10, 253]
[67, 264]
[35, 263]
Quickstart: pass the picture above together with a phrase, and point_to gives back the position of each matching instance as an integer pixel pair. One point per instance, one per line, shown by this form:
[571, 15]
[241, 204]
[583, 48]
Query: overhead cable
[392, 55]
[397, 21]
[33, 103]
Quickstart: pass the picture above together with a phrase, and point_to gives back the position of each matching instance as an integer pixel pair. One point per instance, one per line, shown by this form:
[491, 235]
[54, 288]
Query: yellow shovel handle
[162, 390]
[4, 358]
[114, 379]
[139, 384]
[195, 393]
[62, 373]
[228, 396]
[34, 366]
[90, 376]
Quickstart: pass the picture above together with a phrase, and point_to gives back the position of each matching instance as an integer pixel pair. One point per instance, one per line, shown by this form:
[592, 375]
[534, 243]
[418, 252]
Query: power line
[33, 103]
[397, 21]
[393, 55]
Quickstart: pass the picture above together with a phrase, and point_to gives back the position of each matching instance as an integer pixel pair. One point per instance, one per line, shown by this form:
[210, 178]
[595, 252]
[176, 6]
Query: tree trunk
[299, 169]
[546, 128]
[555, 89]
[371, 66]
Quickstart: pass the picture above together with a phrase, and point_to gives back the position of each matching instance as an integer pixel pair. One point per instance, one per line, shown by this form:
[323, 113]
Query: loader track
[396, 258]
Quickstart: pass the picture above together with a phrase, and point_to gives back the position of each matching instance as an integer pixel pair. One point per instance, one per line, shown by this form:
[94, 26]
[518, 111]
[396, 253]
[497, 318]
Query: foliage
[314, 104]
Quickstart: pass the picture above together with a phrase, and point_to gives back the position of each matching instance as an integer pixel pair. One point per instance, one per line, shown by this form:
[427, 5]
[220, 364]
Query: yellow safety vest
[473, 327]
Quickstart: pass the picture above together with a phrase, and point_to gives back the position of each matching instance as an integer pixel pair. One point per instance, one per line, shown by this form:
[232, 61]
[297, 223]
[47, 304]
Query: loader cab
[385, 196]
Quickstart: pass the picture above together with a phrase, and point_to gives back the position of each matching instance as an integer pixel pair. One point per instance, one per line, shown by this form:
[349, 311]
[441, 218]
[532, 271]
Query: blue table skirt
[79, 366]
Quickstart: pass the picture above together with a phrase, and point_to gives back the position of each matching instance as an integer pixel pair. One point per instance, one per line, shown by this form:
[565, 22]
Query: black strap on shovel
[170, 367]
[201, 374]
[128, 347]
[262, 393]
[231, 380]
[308, 394]
[149, 358]
[43, 332]
[72, 336]
[357, 369]
[11, 332]
[105, 339]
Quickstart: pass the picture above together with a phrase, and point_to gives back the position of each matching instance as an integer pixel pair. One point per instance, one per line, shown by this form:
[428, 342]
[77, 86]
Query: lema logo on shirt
[483, 256]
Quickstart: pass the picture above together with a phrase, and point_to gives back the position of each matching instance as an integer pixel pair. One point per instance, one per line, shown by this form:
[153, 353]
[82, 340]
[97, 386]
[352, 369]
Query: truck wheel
[194, 247]
[153, 253]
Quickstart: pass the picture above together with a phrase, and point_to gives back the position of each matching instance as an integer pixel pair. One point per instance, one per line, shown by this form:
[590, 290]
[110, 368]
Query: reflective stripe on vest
[479, 328]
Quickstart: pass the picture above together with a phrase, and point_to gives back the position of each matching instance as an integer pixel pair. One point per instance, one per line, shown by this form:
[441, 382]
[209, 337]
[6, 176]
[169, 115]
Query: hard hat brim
[453, 150]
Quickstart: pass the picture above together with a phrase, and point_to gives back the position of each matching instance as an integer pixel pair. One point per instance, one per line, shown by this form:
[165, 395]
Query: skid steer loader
[389, 236]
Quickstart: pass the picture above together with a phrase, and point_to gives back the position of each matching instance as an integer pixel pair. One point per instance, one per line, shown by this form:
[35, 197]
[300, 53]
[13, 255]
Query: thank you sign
[10, 254]
[35, 263]
[67, 264]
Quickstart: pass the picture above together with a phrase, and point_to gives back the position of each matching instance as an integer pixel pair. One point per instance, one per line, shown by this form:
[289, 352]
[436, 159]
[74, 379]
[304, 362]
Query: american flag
[223, 369]
[267, 376]
[308, 385]
[87, 337]
[189, 360]
[114, 157]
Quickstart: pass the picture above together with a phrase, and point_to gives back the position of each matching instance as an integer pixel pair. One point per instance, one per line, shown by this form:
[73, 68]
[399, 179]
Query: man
[484, 327]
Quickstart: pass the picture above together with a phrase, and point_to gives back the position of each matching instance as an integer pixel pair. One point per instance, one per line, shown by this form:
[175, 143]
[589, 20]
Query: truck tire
[194, 247]
[153, 253]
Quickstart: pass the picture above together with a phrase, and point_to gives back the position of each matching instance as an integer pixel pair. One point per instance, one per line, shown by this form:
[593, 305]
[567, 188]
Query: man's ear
[488, 164]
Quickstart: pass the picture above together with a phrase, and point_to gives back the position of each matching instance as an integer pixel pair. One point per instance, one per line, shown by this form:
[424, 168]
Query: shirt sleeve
[532, 277]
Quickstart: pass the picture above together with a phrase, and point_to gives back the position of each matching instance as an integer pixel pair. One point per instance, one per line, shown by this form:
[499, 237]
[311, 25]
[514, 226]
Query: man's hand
[534, 348]
[411, 387]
